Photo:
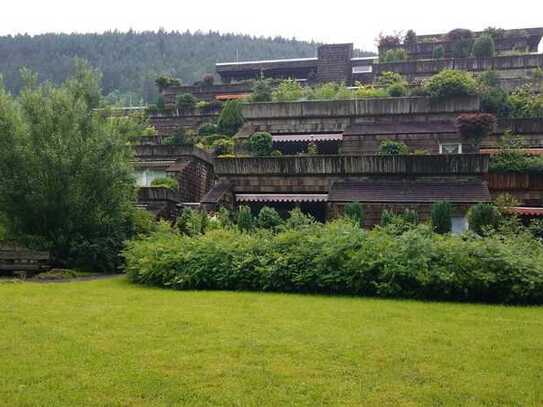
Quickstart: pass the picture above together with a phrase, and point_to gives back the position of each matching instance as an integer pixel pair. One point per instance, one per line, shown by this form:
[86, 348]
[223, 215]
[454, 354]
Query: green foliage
[246, 221]
[312, 149]
[526, 103]
[299, 220]
[394, 84]
[355, 213]
[260, 144]
[202, 105]
[185, 102]
[192, 223]
[223, 146]
[144, 223]
[132, 60]
[399, 223]
[397, 90]
[484, 46]
[462, 42]
[438, 52]
[165, 182]
[369, 91]
[511, 157]
[393, 55]
[66, 179]
[276, 153]
[329, 91]
[340, 258]
[288, 91]
[475, 126]
[390, 147]
[268, 218]
[441, 217]
[536, 228]
[262, 91]
[410, 37]
[207, 129]
[451, 83]
[163, 82]
[230, 119]
[483, 217]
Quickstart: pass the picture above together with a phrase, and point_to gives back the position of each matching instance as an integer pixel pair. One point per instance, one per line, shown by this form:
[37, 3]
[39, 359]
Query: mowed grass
[111, 343]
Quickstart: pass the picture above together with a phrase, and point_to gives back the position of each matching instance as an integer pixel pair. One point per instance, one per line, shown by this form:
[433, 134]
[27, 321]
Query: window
[459, 224]
[145, 177]
[450, 148]
[362, 69]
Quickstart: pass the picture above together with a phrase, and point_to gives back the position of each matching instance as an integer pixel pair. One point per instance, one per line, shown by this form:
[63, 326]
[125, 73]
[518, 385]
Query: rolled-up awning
[525, 211]
[282, 197]
[283, 138]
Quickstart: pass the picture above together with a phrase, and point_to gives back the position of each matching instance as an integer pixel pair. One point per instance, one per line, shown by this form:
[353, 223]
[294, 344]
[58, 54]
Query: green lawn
[111, 343]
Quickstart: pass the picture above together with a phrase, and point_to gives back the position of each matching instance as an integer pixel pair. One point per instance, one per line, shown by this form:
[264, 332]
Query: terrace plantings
[475, 126]
[260, 144]
[484, 46]
[230, 118]
[441, 217]
[165, 182]
[451, 83]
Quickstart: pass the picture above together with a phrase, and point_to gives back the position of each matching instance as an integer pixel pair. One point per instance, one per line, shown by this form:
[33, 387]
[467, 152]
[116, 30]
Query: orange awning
[526, 211]
[231, 96]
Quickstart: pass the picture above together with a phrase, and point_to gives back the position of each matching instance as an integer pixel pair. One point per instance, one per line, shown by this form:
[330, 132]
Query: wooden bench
[22, 261]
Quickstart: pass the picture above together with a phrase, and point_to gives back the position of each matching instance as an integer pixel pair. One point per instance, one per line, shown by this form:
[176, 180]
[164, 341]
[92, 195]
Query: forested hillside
[131, 61]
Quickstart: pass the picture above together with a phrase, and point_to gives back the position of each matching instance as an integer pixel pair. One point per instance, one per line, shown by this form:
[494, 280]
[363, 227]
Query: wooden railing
[337, 165]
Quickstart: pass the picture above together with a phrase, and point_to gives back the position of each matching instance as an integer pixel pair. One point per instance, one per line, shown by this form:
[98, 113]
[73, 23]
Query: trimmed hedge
[341, 258]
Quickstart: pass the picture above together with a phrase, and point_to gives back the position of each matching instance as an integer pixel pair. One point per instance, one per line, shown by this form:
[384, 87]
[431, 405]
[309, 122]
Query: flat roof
[266, 61]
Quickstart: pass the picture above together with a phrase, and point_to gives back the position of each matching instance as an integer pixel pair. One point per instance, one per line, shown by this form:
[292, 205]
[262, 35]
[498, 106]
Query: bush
[441, 217]
[393, 55]
[288, 91]
[329, 91]
[223, 146]
[462, 42]
[354, 212]
[246, 220]
[192, 223]
[536, 228]
[410, 38]
[526, 103]
[340, 258]
[230, 119]
[165, 182]
[268, 218]
[262, 91]
[397, 90]
[207, 129]
[438, 52]
[312, 149]
[484, 47]
[451, 83]
[483, 217]
[203, 105]
[369, 91]
[260, 144]
[389, 41]
[299, 220]
[185, 102]
[162, 82]
[476, 126]
[389, 147]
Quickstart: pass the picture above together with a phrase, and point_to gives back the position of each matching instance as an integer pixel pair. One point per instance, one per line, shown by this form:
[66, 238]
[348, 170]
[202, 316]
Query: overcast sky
[324, 21]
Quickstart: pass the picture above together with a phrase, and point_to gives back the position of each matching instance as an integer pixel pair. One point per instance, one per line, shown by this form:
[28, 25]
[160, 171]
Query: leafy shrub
[494, 32]
[246, 220]
[484, 46]
[369, 91]
[476, 126]
[230, 119]
[399, 223]
[536, 228]
[312, 149]
[441, 217]
[165, 182]
[185, 102]
[299, 220]
[223, 146]
[262, 91]
[203, 105]
[483, 217]
[260, 144]
[410, 38]
[397, 90]
[329, 91]
[162, 82]
[288, 91]
[268, 218]
[276, 153]
[393, 55]
[339, 257]
[207, 129]
[438, 52]
[192, 223]
[496, 101]
[354, 212]
[389, 147]
[526, 103]
[462, 42]
[144, 223]
[451, 83]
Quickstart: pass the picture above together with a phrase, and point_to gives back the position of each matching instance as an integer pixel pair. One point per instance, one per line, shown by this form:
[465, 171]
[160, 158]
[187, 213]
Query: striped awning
[526, 211]
[282, 197]
[282, 138]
